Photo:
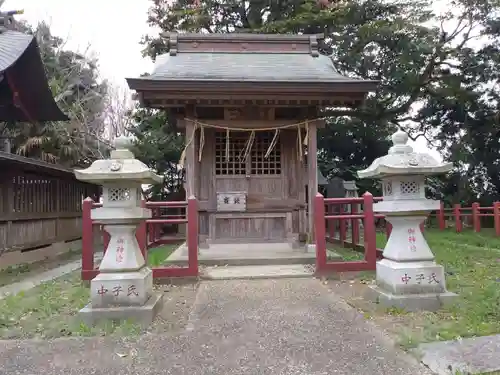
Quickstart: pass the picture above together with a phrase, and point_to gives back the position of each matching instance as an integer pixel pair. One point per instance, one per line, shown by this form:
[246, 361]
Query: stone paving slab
[35, 280]
[256, 272]
[257, 327]
[470, 356]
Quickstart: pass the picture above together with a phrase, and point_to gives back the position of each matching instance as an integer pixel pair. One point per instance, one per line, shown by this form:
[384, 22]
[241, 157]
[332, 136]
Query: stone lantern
[407, 277]
[124, 287]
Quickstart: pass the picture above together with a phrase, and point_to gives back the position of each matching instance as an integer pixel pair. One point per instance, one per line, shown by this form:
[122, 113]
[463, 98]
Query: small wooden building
[250, 105]
[40, 203]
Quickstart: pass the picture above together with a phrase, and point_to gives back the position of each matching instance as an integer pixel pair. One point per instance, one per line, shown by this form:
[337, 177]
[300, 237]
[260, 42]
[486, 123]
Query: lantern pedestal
[407, 277]
[124, 287]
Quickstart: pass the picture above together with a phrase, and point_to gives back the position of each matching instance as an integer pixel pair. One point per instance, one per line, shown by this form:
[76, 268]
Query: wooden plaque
[232, 201]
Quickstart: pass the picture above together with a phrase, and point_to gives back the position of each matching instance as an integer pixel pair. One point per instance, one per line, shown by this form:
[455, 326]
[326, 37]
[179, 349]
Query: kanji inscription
[117, 290]
[406, 279]
[231, 201]
[433, 279]
[102, 290]
[420, 278]
[132, 291]
[120, 250]
[412, 239]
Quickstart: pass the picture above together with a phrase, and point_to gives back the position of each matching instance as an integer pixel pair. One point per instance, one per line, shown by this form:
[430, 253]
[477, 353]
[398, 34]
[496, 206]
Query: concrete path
[35, 280]
[262, 327]
[479, 355]
[257, 272]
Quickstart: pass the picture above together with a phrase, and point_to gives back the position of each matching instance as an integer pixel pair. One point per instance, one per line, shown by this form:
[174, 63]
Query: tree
[159, 146]
[431, 79]
[118, 112]
[73, 78]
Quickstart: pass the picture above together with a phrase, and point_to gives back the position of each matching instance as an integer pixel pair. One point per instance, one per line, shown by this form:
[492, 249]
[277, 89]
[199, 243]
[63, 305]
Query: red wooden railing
[148, 235]
[348, 236]
[459, 214]
[369, 236]
[337, 218]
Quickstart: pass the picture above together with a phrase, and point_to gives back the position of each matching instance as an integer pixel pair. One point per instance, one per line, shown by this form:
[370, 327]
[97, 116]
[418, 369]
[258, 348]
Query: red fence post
[422, 227]
[355, 225]
[496, 217]
[150, 228]
[157, 227]
[87, 238]
[458, 219]
[331, 223]
[192, 235]
[441, 217]
[476, 219]
[320, 232]
[370, 236]
[342, 227]
[141, 235]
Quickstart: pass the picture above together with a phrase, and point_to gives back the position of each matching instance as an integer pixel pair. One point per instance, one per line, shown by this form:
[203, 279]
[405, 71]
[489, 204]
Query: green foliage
[159, 146]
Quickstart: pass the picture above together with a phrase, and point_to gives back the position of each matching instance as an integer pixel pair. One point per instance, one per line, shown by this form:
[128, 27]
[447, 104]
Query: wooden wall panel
[252, 228]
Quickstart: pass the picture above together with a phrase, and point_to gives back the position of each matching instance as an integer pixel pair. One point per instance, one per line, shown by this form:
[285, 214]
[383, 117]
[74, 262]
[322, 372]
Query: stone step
[248, 261]
[257, 272]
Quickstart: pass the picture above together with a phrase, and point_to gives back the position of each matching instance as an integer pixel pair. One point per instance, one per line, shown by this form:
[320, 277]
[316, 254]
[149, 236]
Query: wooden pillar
[191, 160]
[312, 175]
[191, 164]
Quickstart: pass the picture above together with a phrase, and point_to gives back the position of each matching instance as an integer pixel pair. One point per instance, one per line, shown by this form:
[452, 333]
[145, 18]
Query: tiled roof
[250, 67]
[20, 57]
[12, 46]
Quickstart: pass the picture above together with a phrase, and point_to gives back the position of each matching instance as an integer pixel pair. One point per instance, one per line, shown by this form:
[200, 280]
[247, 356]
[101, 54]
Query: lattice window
[409, 187]
[118, 194]
[260, 164]
[234, 163]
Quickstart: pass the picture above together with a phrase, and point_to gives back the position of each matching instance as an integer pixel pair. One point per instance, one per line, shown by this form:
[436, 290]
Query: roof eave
[348, 85]
[238, 37]
[383, 171]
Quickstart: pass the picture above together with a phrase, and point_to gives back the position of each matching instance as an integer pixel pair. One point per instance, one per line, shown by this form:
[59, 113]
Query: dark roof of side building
[25, 94]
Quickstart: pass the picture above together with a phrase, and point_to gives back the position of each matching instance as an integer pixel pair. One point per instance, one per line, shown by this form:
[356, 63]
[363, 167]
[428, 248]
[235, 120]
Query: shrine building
[250, 106]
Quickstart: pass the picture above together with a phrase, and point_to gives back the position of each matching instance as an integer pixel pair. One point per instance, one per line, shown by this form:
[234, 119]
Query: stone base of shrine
[142, 315]
[410, 302]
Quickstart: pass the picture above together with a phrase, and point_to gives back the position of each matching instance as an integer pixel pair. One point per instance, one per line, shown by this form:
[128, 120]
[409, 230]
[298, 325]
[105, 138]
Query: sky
[110, 30]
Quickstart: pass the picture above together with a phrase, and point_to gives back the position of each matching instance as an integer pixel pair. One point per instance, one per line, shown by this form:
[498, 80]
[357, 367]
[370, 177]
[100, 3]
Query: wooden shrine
[250, 106]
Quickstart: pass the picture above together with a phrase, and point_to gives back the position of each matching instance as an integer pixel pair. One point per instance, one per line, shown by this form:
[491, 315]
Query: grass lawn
[12, 274]
[472, 265]
[51, 309]
[158, 255]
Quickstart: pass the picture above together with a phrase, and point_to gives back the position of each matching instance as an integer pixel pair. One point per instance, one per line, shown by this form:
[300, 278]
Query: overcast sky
[111, 29]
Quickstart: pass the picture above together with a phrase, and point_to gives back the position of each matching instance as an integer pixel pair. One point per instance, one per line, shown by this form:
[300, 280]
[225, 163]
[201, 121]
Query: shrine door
[246, 188]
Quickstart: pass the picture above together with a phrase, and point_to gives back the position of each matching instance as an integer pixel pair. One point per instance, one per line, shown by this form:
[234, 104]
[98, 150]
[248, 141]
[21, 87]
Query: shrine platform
[247, 254]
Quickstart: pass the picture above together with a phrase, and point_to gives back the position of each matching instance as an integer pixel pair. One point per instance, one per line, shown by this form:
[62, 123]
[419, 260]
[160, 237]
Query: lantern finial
[400, 140]
[123, 146]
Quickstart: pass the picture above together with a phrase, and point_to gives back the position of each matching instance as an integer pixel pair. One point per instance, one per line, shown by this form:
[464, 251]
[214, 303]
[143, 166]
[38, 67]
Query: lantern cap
[122, 167]
[402, 160]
